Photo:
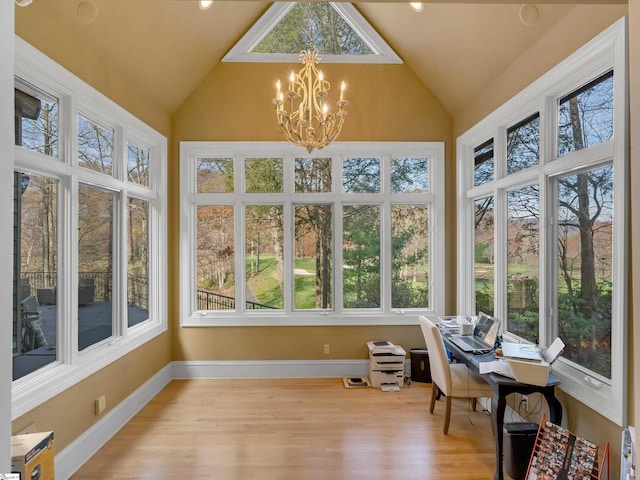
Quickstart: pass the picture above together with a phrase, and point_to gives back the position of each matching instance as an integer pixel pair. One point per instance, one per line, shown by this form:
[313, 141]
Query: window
[138, 164]
[95, 146]
[361, 256]
[585, 116]
[138, 271]
[484, 254]
[317, 22]
[338, 30]
[483, 166]
[522, 144]
[585, 222]
[37, 119]
[272, 237]
[36, 221]
[95, 264]
[523, 262]
[89, 269]
[547, 229]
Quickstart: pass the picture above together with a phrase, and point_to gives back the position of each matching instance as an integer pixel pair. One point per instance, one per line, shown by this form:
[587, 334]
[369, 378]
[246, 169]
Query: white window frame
[605, 52]
[76, 96]
[385, 315]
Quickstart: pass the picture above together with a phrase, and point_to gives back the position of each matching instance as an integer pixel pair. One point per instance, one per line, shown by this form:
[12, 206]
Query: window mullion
[120, 264]
[385, 255]
[338, 262]
[500, 256]
[240, 257]
[68, 271]
[119, 153]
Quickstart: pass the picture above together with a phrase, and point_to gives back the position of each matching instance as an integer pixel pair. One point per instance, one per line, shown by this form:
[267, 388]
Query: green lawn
[266, 285]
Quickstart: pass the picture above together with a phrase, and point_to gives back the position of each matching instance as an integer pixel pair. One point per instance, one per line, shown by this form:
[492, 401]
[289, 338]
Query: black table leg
[498, 406]
[555, 409]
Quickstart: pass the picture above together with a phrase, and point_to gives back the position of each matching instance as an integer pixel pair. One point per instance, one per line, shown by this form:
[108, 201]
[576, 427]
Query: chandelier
[302, 112]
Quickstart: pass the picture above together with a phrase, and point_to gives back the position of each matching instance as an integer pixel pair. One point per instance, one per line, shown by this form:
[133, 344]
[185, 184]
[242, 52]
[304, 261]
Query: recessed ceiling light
[530, 14]
[417, 6]
[204, 4]
[86, 11]
[23, 3]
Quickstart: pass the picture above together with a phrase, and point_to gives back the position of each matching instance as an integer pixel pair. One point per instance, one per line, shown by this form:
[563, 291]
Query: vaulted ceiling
[169, 46]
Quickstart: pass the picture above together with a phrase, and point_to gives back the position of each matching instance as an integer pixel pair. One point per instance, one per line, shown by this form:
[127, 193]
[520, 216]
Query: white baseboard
[271, 369]
[82, 448]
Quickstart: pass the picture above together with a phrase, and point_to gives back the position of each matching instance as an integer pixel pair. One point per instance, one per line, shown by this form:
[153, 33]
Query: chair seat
[465, 383]
[452, 379]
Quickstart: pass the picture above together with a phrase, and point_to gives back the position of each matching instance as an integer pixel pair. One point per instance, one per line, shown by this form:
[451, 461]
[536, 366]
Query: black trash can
[420, 370]
[519, 439]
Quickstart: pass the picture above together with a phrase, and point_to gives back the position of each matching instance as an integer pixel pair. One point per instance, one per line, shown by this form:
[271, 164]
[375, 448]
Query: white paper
[390, 387]
[554, 350]
[496, 366]
[522, 351]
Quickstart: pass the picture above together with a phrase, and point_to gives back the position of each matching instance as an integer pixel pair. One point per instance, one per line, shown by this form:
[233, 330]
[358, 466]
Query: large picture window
[351, 236]
[543, 238]
[89, 231]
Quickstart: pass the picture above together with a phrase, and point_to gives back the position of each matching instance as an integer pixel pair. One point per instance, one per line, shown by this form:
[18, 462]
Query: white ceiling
[168, 46]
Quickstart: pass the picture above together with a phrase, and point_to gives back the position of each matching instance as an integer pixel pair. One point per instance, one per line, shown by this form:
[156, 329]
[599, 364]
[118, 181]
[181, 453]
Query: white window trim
[74, 95]
[606, 51]
[189, 317]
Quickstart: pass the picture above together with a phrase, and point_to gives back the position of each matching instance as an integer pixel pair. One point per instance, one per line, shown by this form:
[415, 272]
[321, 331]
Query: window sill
[304, 319]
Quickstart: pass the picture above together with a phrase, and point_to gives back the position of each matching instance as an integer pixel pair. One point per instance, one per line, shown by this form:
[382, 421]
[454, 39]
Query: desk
[503, 386]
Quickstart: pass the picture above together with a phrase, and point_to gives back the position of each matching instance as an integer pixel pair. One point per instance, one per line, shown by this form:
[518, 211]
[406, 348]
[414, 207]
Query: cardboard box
[32, 456]
[533, 373]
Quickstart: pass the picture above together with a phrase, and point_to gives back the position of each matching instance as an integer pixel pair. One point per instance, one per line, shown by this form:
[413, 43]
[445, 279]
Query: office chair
[454, 380]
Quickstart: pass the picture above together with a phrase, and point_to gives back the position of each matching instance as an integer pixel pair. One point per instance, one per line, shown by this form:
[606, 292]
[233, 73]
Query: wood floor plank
[295, 429]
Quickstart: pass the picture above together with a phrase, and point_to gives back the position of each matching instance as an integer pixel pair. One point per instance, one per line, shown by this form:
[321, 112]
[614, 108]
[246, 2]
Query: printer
[386, 364]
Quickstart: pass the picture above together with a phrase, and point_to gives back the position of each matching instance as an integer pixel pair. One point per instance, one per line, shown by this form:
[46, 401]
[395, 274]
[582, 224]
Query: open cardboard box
[533, 373]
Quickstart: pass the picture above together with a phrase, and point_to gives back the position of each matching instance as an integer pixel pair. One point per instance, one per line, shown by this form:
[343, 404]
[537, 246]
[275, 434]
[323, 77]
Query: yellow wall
[71, 413]
[388, 103]
[580, 25]
[42, 30]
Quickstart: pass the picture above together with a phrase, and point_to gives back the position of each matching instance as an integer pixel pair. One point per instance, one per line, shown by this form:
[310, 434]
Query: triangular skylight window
[337, 30]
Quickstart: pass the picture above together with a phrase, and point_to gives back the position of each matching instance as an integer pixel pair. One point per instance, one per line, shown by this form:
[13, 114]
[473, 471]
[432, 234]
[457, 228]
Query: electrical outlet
[101, 404]
[327, 349]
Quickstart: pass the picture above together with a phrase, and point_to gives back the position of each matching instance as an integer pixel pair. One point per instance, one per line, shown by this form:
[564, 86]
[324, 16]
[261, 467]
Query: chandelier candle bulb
[292, 79]
[342, 87]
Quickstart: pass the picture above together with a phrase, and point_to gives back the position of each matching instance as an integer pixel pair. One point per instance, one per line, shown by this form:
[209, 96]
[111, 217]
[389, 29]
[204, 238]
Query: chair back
[438, 359]
[29, 307]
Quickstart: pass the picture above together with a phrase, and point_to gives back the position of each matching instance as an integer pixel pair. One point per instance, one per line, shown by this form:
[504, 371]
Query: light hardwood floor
[295, 429]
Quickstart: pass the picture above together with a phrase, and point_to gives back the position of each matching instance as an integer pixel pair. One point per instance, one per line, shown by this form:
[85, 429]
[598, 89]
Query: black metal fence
[214, 301]
[137, 291]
